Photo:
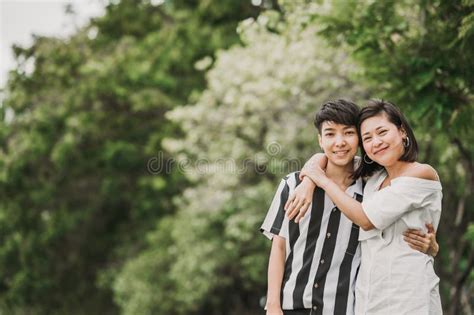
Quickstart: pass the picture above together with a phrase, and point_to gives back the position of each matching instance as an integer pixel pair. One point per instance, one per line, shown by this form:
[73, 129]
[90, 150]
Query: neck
[341, 175]
[396, 169]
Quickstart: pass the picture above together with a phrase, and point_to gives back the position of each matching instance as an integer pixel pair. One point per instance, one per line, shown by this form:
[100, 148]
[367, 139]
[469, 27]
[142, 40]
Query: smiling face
[382, 140]
[339, 142]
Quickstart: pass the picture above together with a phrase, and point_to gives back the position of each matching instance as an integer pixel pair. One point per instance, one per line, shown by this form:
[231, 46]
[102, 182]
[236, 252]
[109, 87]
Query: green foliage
[87, 115]
[135, 288]
[413, 52]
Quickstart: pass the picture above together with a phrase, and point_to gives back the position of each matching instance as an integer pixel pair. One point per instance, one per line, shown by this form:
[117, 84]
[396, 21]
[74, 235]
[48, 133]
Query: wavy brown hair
[376, 107]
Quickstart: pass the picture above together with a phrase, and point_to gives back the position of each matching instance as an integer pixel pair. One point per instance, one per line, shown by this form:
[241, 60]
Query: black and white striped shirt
[322, 251]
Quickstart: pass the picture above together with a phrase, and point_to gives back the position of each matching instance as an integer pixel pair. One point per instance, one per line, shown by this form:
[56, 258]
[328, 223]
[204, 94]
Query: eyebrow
[379, 127]
[331, 128]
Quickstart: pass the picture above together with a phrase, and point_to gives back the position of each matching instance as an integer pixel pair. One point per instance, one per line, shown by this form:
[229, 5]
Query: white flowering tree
[251, 126]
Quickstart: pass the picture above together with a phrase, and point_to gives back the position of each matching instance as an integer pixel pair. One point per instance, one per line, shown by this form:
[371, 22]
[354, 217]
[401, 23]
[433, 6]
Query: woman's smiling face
[382, 140]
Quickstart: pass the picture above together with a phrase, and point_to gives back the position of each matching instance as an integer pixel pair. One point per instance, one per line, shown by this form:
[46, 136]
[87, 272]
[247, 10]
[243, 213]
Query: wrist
[324, 182]
[273, 308]
[273, 304]
[308, 182]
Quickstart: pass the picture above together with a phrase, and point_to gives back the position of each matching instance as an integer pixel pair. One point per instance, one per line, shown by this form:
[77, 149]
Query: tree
[81, 118]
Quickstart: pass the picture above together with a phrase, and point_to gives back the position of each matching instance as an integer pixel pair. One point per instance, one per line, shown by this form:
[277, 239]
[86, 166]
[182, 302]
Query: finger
[289, 201]
[415, 231]
[417, 248]
[293, 211]
[430, 228]
[417, 235]
[303, 210]
[300, 203]
[411, 236]
[300, 216]
[414, 246]
[411, 241]
[288, 207]
[431, 240]
[414, 241]
[306, 207]
[420, 247]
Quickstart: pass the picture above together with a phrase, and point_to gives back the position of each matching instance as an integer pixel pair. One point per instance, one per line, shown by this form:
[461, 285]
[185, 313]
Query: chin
[342, 162]
[383, 161]
[388, 157]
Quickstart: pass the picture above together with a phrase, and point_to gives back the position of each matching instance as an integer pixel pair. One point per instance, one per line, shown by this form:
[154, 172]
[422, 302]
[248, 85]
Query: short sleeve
[275, 220]
[389, 204]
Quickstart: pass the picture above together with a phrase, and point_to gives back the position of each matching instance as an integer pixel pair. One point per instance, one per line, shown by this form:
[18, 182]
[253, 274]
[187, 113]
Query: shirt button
[315, 307]
[316, 285]
[322, 261]
[328, 235]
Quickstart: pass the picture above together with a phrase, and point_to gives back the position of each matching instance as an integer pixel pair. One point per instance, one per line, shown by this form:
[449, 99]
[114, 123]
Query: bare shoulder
[423, 171]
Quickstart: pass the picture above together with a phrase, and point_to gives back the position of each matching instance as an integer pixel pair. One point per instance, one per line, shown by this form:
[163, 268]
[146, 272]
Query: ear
[403, 132]
[319, 141]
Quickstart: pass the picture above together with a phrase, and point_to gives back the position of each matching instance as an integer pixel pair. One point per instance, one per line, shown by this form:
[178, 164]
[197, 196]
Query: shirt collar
[357, 187]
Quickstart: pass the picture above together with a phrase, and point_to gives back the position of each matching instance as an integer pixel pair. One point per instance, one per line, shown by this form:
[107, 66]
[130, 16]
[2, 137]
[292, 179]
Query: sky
[19, 19]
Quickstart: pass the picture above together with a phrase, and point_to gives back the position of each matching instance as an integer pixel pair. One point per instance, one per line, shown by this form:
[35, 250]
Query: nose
[376, 142]
[340, 141]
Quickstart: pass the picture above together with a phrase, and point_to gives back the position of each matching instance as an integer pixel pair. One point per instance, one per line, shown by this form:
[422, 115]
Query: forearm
[276, 267]
[351, 208]
[317, 160]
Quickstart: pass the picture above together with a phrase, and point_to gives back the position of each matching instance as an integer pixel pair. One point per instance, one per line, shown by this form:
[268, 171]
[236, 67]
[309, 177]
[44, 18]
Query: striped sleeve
[275, 221]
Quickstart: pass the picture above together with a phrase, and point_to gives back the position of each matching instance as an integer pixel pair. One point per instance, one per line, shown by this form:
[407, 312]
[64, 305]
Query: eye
[350, 132]
[329, 134]
[366, 139]
[382, 132]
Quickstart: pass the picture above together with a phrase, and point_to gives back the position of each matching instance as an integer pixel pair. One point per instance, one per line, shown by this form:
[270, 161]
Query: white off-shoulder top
[393, 278]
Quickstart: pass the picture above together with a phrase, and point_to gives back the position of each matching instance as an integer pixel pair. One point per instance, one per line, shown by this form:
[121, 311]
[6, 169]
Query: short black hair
[339, 111]
[376, 107]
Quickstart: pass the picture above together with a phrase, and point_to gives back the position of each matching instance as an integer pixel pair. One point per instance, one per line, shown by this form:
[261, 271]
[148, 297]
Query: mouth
[380, 151]
[341, 153]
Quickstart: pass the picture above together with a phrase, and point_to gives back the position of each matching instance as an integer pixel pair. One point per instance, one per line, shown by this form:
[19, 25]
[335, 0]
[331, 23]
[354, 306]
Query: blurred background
[141, 141]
